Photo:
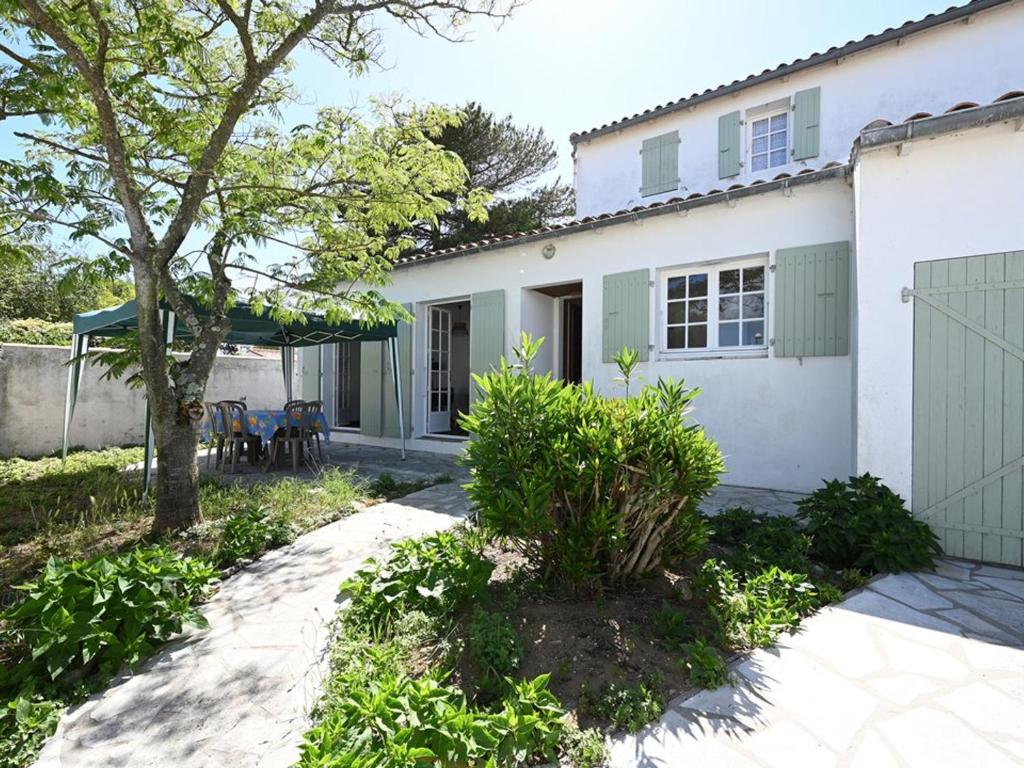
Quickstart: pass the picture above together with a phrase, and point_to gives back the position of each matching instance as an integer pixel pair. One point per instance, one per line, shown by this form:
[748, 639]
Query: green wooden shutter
[626, 313]
[806, 123]
[390, 424]
[371, 371]
[812, 301]
[660, 163]
[729, 145]
[311, 373]
[486, 333]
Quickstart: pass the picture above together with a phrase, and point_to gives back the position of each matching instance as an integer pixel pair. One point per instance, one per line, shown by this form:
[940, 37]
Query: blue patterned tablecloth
[266, 423]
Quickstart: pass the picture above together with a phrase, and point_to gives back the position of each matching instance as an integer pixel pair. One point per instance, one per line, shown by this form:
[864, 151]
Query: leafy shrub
[673, 626]
[95, 615]
[436, 575]
[496, 649]
[35, 331]
[252, 533]
[25, 723]
[624, 706]
[597, 490]
[705, 666]
[395, 720]
[582, 748]
[758, 541]
[864, 524]
[753, 612]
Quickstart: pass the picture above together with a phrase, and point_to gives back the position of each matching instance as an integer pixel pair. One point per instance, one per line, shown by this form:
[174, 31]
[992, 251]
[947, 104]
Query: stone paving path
[913, 670]
[238, 693]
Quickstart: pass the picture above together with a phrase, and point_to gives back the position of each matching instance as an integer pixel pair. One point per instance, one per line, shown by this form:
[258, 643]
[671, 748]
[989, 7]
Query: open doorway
[555, 312]
[447, 364]
[347, 356]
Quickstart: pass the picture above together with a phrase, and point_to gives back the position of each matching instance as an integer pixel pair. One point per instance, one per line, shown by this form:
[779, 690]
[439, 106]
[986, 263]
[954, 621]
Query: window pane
[759, 162]
[698, 311]
[760, 127]
[729, 308]
[677, 337]
[676, 312]
[729, 281]
[698, 336]
[779, 140]
[753, 305]
[753, 279]
[753, 333]
[728, 334]
[779, 121]
[759, 144]
[698, 285]
[677, 287]
[778, 157]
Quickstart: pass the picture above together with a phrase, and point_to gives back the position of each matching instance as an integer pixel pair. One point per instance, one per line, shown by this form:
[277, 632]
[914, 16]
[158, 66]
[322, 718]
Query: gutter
[890, 35]
[951, 122]
[678, 206]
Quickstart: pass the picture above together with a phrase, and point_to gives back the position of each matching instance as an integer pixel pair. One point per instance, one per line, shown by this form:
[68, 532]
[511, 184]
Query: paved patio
[915, 669]
[238, 694]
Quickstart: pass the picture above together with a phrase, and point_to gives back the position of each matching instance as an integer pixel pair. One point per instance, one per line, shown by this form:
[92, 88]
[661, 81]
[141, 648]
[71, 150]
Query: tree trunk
[175, 392]
[177, 477]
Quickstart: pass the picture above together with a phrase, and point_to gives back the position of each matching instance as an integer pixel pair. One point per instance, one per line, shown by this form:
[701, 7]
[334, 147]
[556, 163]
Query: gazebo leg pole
[72, 393]
[397, 373]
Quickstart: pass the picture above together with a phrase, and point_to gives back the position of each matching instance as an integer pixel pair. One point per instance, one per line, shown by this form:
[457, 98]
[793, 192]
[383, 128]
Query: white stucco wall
[930, 71]
[953, 196]
[33, 385]
[782, 423]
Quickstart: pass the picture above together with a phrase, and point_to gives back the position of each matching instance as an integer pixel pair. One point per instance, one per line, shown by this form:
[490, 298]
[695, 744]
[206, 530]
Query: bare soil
[584, 642]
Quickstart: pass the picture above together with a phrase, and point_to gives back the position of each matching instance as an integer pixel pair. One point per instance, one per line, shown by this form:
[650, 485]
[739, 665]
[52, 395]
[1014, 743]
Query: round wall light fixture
[548, 251]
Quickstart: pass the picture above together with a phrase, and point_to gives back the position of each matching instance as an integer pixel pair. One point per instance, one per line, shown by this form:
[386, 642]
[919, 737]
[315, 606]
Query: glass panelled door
[439, 363]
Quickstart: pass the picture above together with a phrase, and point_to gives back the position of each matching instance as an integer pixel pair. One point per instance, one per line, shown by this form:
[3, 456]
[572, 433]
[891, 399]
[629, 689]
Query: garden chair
[293, 404]
[297, 436]
[217, 434]
[235, 441]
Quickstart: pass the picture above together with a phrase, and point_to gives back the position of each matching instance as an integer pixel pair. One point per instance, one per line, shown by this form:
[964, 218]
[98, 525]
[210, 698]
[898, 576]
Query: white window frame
[712, 269]
[767, 113]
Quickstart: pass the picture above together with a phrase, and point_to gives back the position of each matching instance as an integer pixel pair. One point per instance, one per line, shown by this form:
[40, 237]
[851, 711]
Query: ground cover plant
[103, 591]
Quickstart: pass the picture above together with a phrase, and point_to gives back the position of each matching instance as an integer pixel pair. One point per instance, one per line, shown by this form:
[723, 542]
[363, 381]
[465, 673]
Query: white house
[833, 250]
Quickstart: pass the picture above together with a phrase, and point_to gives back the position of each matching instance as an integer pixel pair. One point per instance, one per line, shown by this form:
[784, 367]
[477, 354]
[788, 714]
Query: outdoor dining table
[265, 424]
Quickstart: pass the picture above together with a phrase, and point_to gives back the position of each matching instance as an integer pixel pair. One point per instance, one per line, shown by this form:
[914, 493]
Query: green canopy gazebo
[247, 328]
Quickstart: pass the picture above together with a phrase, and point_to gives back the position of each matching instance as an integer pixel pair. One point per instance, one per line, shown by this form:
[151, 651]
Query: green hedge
[35, 331]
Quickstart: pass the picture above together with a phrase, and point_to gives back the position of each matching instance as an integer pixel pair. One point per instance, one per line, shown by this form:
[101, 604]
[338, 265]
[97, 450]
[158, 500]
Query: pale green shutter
[626, 313]
[311, 373]
[660, 164]
[806, 123]
[486, 332]
[812, 301]
[371, 372]
[390, 425]
[729, 145]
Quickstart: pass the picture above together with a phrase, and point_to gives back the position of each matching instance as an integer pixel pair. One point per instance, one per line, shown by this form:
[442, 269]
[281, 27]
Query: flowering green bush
[597, 490]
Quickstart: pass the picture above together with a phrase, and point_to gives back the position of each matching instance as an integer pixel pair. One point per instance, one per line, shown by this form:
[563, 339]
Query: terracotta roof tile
[852, 46]
[624, 213]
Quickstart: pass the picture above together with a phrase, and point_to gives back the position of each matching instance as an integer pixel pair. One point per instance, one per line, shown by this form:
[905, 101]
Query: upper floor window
[720, 307]
[769, 141]
[659, 158]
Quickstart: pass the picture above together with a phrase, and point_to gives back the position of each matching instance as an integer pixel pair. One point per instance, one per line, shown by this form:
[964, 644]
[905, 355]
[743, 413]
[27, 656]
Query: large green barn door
[969, 404]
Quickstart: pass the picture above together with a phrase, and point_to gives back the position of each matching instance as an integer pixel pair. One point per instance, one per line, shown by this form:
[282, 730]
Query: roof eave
[801, 179]
[890, 35]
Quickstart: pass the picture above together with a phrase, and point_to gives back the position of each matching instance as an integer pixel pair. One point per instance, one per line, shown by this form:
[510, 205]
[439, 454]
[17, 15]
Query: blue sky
[569, 65]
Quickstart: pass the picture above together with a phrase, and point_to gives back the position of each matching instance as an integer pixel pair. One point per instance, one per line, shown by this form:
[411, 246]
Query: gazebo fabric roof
[246, 327]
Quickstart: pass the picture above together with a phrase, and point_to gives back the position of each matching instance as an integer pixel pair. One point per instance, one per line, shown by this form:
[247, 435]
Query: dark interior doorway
[347, 378]
[572, 339]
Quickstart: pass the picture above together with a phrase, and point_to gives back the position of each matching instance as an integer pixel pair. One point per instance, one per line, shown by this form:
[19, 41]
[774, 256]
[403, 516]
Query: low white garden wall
[33, 384]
